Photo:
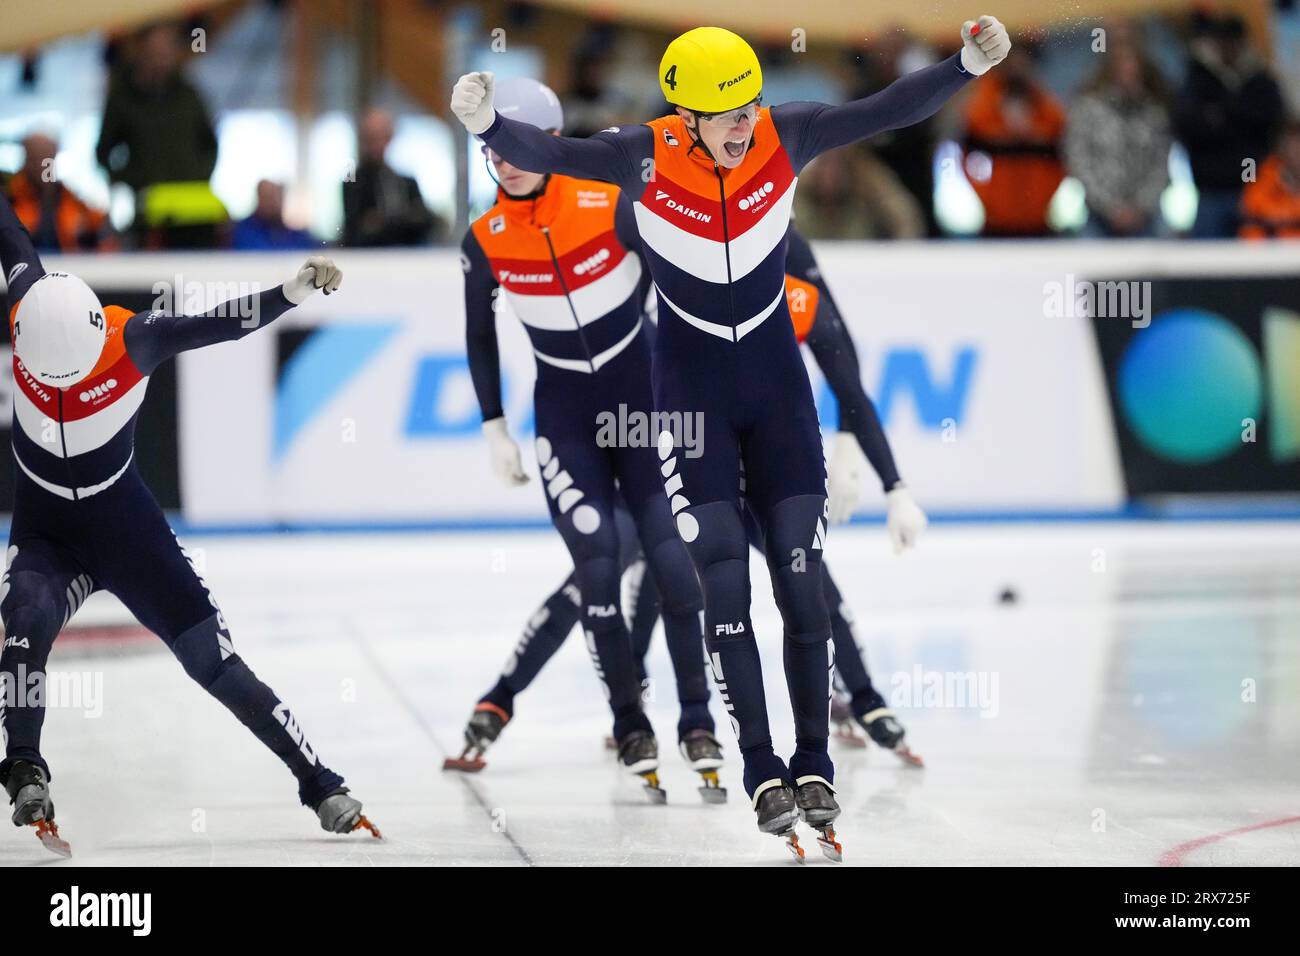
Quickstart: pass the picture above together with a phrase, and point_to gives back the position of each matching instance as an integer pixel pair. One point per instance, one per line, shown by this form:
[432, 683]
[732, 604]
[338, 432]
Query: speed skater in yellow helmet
[714, 79]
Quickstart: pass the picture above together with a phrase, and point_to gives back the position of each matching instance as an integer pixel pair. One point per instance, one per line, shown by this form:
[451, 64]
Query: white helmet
[59, 330]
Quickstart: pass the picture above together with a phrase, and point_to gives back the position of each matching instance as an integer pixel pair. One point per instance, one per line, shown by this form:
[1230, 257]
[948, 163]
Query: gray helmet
[529, 101]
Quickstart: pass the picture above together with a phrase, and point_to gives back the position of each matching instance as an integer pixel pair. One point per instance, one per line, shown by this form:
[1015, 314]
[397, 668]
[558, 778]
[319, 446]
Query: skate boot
[340, 813]
[484, 727]
[638, 753]
[774, 802]
[29, 793]
[816, 801]
[883, 727]
[842, 720]
[703, 754]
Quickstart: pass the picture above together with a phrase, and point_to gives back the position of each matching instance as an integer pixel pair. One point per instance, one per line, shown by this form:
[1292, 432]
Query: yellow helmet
[710, 70]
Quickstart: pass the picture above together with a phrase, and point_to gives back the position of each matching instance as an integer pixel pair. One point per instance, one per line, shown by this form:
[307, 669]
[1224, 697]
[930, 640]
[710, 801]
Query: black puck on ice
[1008, 595]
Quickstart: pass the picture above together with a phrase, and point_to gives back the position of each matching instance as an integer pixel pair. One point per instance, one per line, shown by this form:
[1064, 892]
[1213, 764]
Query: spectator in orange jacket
[57, 220]
[1270, 206]
[1014, 130]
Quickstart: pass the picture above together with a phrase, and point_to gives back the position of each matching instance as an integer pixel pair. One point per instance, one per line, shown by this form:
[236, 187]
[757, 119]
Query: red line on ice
[1176, 856]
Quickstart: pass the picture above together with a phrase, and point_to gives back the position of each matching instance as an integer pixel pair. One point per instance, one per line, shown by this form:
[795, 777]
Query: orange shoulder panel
[114, 338]
[500, 241]
[801, 298]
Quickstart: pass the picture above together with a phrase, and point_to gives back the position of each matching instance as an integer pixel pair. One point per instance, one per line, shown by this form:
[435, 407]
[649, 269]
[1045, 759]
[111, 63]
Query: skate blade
[844, 734]
[657, 794]
[364, 824]
[830, 846]
[712, 791]
[796, 850]
[48, 834]
[464, 764]
[909, 758]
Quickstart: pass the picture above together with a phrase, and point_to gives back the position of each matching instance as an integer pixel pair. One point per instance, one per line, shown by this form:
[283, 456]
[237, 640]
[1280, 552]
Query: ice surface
[1141, 694]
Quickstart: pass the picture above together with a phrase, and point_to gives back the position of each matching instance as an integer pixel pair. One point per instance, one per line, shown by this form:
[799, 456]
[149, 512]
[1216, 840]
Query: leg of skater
[158, 583]
[681, 605]
[866, 705]
[579, 482]
[42, 588]
[643, 599]
[544, 632]
[791, 508]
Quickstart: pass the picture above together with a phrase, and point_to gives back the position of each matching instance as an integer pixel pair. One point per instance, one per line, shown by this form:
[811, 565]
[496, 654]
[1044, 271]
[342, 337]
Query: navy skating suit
[567, 261]
[84, 520]
[819, 325]
[714, 240]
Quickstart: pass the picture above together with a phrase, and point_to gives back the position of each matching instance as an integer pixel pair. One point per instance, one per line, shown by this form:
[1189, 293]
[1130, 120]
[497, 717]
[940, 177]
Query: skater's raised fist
[904, 519]
[471, 101]
[318, 273]
[984, 44]
[504, 453]
[844, 478]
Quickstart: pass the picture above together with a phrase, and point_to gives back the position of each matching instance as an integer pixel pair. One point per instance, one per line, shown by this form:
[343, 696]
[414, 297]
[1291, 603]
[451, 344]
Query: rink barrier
[356, 412]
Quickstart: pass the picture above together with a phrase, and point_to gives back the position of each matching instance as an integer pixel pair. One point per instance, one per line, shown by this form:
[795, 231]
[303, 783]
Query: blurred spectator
[850, 194]
[1118, 145]
[158, 139]
[595, 101]
[1229, 108]
[1014, 129]
[908, 152]
[265, 228]
[56, 218]
[1270, 206]
[381, 207]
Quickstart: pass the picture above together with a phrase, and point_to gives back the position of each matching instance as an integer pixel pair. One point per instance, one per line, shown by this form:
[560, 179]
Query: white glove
[318, 272]
[904, 519]
[987, 48]
[844, 478]
[471, 101]
[504, 453]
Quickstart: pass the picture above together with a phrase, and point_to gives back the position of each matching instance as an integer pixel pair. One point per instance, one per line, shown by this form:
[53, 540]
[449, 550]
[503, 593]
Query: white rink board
[1032, 428]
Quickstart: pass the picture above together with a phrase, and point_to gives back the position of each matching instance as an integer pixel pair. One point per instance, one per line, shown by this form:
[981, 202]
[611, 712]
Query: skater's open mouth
[735, 148]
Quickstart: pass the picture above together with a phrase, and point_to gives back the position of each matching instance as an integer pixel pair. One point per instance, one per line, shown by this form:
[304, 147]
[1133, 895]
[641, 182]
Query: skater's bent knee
[204, 650]
[808, 638]
[802, 602]
[29, 631]
[719, 534]
[796, 530]
[674, 575]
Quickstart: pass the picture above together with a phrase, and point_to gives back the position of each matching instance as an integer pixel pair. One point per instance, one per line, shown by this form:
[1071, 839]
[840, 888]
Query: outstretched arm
[613, 156]
[153, 337]
[617, 155]
[809, 129]
[22, 266]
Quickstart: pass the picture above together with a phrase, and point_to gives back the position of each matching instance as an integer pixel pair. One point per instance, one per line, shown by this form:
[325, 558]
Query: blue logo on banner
[906, 372]
[427, 418]
[318, 371]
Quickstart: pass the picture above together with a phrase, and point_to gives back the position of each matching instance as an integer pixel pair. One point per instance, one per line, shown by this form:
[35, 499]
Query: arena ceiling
[29, 23]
